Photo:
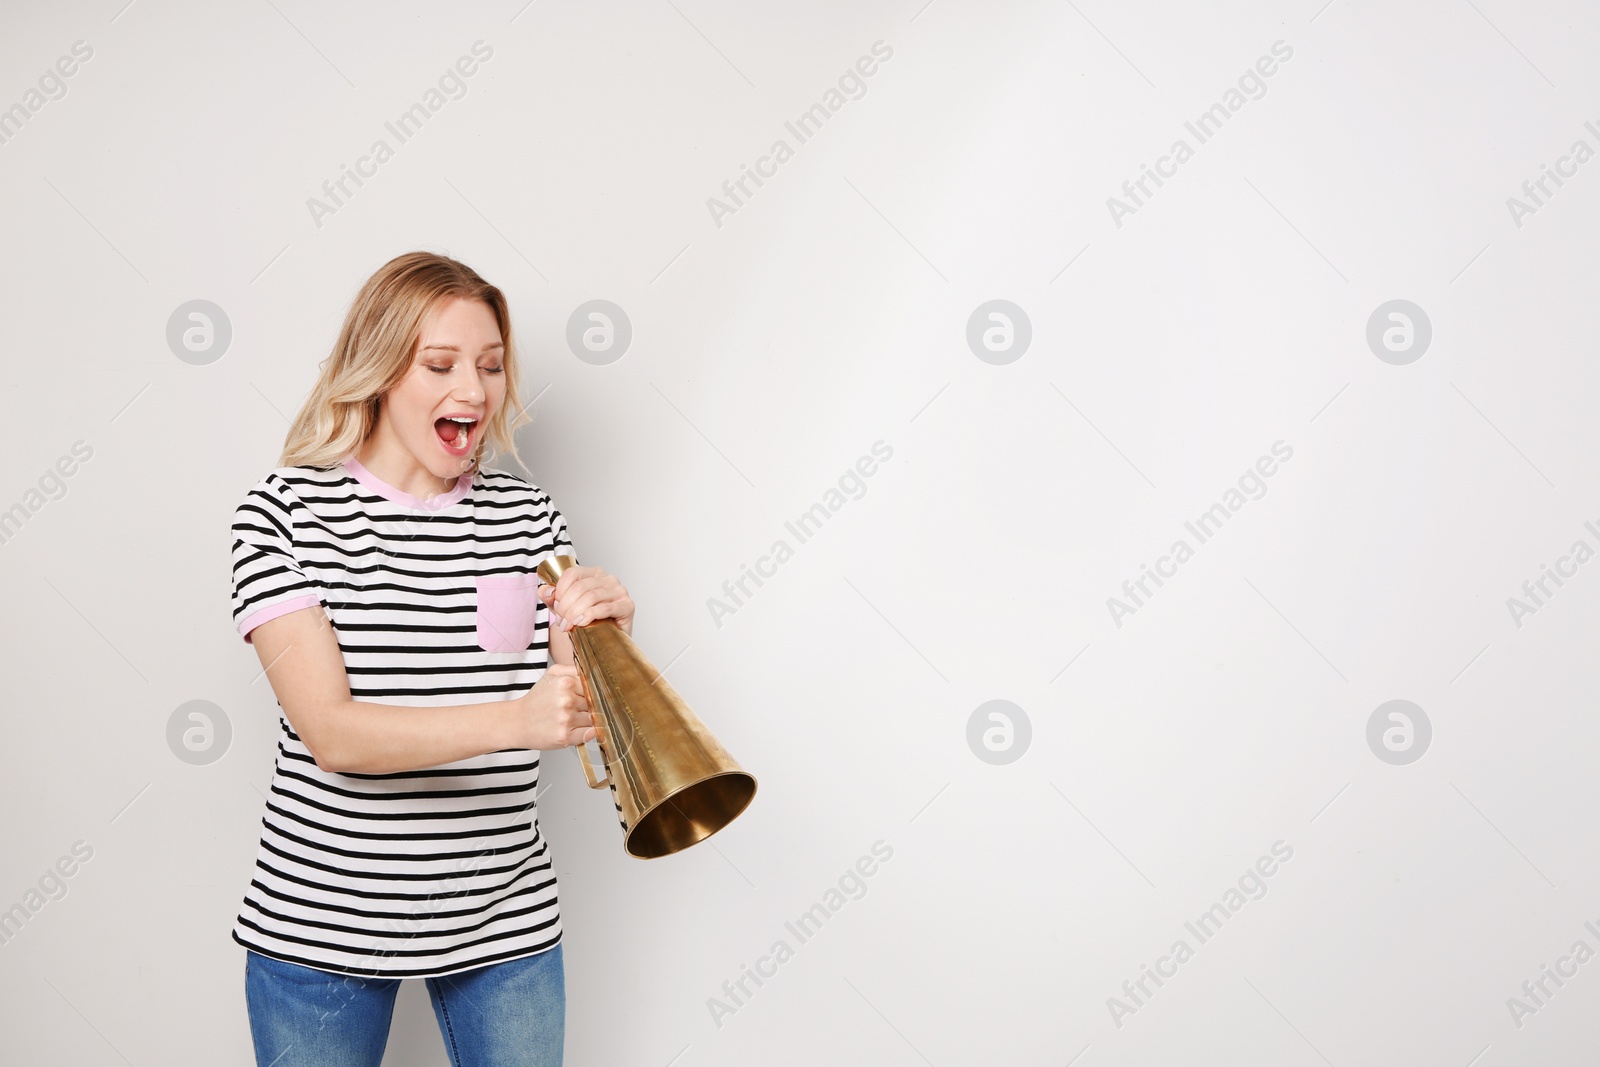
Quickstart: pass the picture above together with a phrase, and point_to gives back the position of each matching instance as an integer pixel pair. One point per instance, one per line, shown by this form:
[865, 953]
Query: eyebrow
[457, 348]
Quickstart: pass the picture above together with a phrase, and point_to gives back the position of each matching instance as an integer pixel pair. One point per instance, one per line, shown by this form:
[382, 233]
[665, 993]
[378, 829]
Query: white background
[769, 353]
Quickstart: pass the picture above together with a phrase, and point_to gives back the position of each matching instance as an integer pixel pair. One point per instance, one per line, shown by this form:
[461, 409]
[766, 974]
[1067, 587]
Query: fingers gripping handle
[550, 570]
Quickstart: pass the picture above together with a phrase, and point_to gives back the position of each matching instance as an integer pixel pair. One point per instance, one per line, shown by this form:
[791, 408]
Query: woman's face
[458, 370]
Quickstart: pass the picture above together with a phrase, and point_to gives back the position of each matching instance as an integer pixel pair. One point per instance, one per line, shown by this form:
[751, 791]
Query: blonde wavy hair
[375, 350]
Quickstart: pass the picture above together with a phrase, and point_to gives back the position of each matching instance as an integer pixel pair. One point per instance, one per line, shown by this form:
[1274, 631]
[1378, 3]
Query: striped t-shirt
[418, 873]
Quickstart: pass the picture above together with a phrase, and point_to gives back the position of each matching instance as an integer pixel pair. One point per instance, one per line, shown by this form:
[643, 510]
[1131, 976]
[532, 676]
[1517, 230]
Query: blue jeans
[510, 1014]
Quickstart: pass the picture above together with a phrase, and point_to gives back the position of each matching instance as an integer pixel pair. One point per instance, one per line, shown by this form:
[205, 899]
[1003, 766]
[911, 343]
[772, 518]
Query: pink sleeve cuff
[250, 622]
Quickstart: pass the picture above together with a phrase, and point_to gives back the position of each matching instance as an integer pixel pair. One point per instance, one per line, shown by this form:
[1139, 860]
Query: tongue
[447, 430]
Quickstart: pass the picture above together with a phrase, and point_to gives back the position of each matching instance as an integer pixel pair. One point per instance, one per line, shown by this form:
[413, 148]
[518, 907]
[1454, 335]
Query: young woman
[386, 579]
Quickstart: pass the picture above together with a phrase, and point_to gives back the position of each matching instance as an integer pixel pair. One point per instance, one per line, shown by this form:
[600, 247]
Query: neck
[391, 462]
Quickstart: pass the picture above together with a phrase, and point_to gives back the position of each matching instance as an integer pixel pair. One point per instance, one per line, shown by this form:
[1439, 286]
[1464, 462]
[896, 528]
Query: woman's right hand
[555, 712]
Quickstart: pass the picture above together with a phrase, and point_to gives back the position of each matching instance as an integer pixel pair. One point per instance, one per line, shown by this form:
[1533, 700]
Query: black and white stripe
[420, 873]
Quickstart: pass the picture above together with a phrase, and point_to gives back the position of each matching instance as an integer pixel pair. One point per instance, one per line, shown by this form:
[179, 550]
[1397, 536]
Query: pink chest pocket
[508, 611]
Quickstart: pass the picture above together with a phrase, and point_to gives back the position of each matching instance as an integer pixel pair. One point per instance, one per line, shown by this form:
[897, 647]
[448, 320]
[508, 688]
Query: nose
[468, 389]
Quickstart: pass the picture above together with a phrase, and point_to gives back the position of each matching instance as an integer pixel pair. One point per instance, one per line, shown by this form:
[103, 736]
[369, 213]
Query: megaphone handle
[588, 767]
[583, 746]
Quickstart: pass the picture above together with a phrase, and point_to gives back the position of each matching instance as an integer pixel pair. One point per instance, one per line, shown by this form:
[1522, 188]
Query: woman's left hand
[584, 594]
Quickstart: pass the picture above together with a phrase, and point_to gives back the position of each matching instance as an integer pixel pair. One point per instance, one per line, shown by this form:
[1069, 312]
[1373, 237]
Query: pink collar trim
[360, 473]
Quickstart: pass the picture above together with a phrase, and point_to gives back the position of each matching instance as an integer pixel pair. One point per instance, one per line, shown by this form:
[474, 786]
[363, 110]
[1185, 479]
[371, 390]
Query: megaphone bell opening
[691, 815]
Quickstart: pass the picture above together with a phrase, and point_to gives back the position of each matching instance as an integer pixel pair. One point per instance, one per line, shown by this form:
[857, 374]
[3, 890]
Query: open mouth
[456, 433]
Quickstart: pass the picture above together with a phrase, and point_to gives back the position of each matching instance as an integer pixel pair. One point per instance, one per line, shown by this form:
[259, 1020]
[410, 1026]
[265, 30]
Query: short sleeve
[562, 543]
[268, 580]
[558, 534]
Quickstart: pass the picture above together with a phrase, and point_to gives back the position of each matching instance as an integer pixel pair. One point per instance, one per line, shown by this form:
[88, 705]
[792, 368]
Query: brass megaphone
[672, 783]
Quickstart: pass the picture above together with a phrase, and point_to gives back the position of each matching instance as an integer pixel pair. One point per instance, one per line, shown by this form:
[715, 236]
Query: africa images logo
[1205, 126]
